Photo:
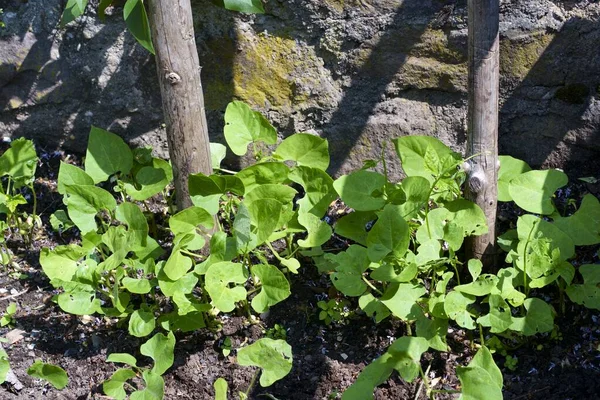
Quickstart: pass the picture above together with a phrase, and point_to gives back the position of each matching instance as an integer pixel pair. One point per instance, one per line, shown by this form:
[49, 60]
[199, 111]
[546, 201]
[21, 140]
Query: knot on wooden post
[476, 180]
[173, 78]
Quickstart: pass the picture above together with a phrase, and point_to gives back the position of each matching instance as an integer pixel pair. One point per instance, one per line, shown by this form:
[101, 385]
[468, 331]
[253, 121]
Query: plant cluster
[237, 246]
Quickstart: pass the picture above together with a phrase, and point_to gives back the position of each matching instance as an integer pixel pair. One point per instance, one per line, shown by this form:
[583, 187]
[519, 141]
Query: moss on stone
[517, 58]
[434, 43]
[428, 73]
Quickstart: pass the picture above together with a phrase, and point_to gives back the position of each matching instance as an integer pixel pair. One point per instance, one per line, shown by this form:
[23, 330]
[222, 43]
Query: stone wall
[358, 72]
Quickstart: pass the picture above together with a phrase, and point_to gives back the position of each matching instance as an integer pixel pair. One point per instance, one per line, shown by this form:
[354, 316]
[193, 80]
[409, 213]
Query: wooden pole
[178, 69]
[482, 136]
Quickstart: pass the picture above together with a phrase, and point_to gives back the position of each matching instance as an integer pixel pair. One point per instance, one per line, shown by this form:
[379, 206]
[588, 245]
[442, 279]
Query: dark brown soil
[327, 359]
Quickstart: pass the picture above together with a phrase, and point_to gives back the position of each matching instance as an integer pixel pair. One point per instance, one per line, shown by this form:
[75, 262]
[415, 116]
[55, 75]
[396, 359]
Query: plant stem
[481, 338]
[252, 382]
[372, 286]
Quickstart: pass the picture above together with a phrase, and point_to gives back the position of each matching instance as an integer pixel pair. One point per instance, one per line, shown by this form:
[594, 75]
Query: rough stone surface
[358, 72]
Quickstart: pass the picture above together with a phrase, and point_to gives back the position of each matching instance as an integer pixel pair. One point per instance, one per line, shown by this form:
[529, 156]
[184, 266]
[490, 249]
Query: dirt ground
[327, 359]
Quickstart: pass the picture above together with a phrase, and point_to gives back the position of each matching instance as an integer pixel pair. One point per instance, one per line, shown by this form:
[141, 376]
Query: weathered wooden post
[482, 137]
[178, 69]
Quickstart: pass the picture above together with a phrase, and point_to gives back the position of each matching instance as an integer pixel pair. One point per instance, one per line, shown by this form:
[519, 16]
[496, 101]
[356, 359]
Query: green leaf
[246, 6]
[73, 9]
[305, 149]
[177, 265]
[124, 358]
[137, 226]
[218, 278]
[319, 232]
[530, 227]
[187, 220]
[84, 202]
[4, 365]
[221, 387]
[263, 174]
[481, 379]
[482, 286]
[155, 387]
[274, 357]
[361, 190]
[61, 262]
[413, 149]
[407, 352]
[79, 303]
[274, 287]
[149, 180]
[588, 293]
[350, 266]
[141, 322]
[160, 348]
[244, 126]
[533, 190]
[434, 331]
[106, 155]
[455, 306]
[71, 175]
[402, 299]
[369, 378]
[113, 386]
[510, 168]
[539, 318]
[264, 214]
[136, 19]
[475, 266]
[137, 286]
[583, 227]
[60, 221]
[49, 372]
[217, 154]
[318, 188]
[390, 234]
[373, 307]
[353, 226]
[499, 317]
[468, 216]
[19, 161]
[206, 191]
[415, 195]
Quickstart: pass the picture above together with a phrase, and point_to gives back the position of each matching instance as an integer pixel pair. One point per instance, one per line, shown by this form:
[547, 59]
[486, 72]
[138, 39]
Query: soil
[327, 359]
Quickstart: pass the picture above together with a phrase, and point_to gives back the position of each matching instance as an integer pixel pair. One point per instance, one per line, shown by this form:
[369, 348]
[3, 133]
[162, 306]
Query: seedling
[8, 317]
[333, 310]
[276, 332]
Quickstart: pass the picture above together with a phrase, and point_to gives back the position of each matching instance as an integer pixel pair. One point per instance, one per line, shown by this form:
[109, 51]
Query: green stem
[481, 338]
[227, 171]
[34, 200]
[424, 378]
[372, 286]
[525, 261]
[252, 382]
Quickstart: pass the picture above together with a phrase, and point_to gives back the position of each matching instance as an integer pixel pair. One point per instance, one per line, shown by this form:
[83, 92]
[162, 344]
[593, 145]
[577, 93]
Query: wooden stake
[482, 138]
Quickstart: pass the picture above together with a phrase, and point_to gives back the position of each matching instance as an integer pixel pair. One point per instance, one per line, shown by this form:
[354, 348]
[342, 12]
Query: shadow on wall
[92, 74]
[552, 116]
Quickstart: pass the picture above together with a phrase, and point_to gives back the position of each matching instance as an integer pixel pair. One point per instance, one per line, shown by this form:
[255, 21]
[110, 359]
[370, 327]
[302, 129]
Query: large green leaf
[510, 168]
[319, 232]
[217, 154]
[113, 386]
[161, 349]
[407, 352]
[155, 387]
[186, 221]
[369, 378]
[137, 226]
[136, 19]
[84, 202]
[415, 190]
[106, 155]
[265, 214]
[305, 149]
[205, 191]
[274, 357]
[149, 180]
[73, 9]
[481, 379]
[177, 265]
[402, 299]
[274, 287]
[533, 190]
[263, 174]
[246, 6]
[361, 190]
[49, 372]
[244, 126]
[218, 279]
[468, 216]
[79, 303]
[318, 189]
[531, 227]
[141, 322]
[588, 293]
[390, 234]
[71, 175]
[61, 262]
[455, 306]
[583, 227]
[354, 226]
[415, 153]
[539, 318]
[350, 266]
[499, 318]
[19, 161]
